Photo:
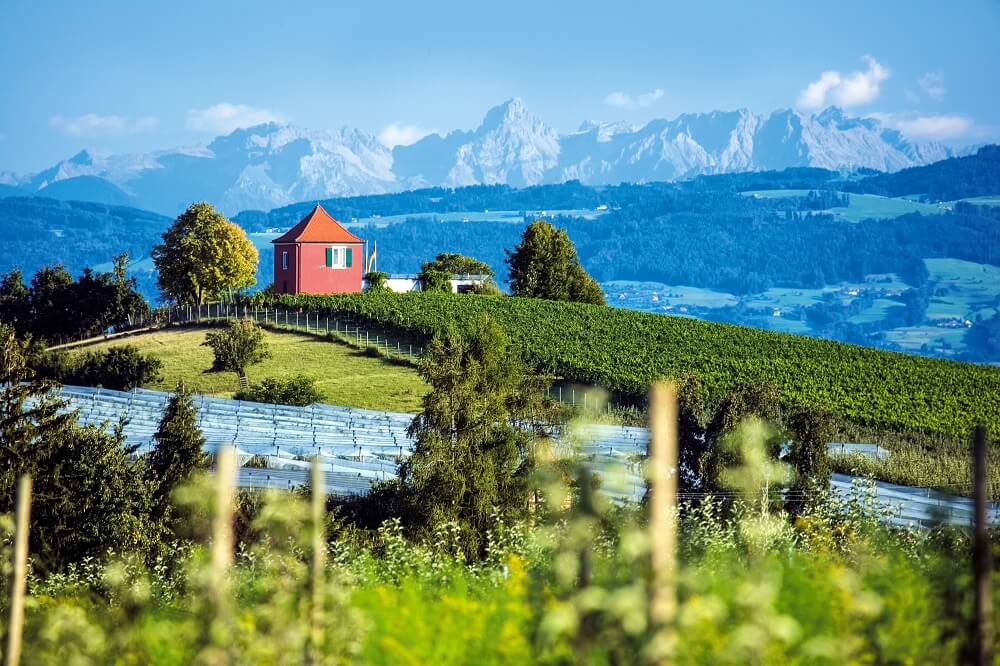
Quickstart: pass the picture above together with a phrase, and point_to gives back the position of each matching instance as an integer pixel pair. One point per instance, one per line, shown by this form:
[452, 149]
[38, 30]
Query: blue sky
[136, 76]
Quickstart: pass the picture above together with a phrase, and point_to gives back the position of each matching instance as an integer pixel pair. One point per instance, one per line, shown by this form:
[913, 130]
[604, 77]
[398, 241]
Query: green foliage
[89, 493]
[239, 345]
[811, 433]
[472, 453]
[570, 586]
[204, 256]
[298, 390]
[343, 375]
[377, 281]
[57, 308]
[624, 351]
[121, 368]
[456, 264]
[178, 454]
[545, 265]
[435, 281]
[486, 288]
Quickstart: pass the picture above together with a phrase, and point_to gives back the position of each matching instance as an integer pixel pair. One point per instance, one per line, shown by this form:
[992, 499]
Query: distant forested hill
[35, 231]
[956, 178]
[729, 252]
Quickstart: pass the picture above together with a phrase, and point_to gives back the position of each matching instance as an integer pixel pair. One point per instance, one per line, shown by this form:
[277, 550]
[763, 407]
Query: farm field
[344, 376]
[624, 351]
[984, 201]
[962, 289]
[861, 206]
[657, 296]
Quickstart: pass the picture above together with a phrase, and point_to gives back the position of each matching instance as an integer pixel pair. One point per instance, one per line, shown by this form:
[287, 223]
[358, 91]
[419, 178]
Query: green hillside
[344, 376]
[625, 350]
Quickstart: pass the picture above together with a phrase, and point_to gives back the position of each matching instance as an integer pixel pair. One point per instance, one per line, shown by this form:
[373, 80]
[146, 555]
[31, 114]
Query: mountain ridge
[273, 164]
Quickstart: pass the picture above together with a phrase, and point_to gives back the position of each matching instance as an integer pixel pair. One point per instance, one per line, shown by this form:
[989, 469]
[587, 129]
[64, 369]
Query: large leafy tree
[545, 265]
[89, 493]
[204, 256]
[474, 436]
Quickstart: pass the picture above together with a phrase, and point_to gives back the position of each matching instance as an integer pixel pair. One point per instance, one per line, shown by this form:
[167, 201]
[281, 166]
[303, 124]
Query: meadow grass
[344, 375]
[860, 206]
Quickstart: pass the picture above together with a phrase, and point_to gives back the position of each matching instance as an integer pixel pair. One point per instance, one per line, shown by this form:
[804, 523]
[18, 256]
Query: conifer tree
[179, 453]
[474, 436]
[545, 265]
[89, 495]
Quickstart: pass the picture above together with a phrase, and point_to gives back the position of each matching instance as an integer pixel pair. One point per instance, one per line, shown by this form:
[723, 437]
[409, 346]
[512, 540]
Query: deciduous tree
[204, 256]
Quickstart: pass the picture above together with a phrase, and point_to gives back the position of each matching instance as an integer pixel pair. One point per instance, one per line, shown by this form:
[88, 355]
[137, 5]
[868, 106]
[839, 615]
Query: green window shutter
[329, 257]
[347, 261]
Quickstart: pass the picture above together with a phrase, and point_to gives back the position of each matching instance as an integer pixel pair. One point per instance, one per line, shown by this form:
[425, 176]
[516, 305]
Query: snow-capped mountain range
[272, 165]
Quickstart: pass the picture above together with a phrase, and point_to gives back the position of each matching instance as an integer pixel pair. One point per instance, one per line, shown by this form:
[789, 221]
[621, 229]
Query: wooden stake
[15, 630]
[662, 524]
[983, 630]
[318, 561]
[222, 549]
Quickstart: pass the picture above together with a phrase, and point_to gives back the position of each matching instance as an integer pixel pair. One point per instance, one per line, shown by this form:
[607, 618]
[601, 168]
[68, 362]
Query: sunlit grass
[344, 375]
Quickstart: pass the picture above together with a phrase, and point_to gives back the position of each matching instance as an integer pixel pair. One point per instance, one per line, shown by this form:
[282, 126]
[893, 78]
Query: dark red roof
[318, 227]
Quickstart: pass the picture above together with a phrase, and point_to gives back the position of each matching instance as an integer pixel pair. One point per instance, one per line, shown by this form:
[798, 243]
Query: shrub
[485, 288]
[377, 280]
[237, 346]
[436, 280]
[120, 368]
[298, 390]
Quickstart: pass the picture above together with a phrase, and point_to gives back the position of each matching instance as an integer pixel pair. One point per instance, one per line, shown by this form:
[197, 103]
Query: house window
[284, 261]
[339, 257]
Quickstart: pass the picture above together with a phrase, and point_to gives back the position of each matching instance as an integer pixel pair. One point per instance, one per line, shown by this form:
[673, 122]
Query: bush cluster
[298, 390]
[121, 368]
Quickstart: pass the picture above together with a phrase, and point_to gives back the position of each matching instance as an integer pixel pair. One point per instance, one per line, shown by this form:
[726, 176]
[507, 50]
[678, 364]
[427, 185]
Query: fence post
[222, 543]
[983, 630]
[662, 523]
[318, 560]
[15, 630]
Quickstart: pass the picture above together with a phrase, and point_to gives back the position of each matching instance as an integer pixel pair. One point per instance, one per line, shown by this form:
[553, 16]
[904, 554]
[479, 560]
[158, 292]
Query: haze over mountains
[273, 165]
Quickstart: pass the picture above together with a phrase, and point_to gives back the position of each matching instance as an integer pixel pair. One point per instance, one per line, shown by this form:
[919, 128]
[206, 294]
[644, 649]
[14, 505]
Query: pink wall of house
[285, 275]
[307, 271]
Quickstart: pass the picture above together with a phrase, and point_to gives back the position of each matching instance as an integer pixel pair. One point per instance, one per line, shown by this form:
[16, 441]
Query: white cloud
[935, 127]
[626, 101]
[225, 117]
[932, 83]
[844, 90]
[398, 134]
[91, 124]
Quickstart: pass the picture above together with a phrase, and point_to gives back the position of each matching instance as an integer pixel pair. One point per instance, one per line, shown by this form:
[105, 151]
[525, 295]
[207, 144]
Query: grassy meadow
[344, 375]
[860, 206]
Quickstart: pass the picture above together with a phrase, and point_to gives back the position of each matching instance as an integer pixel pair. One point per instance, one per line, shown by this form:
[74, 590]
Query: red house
[318, 256]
